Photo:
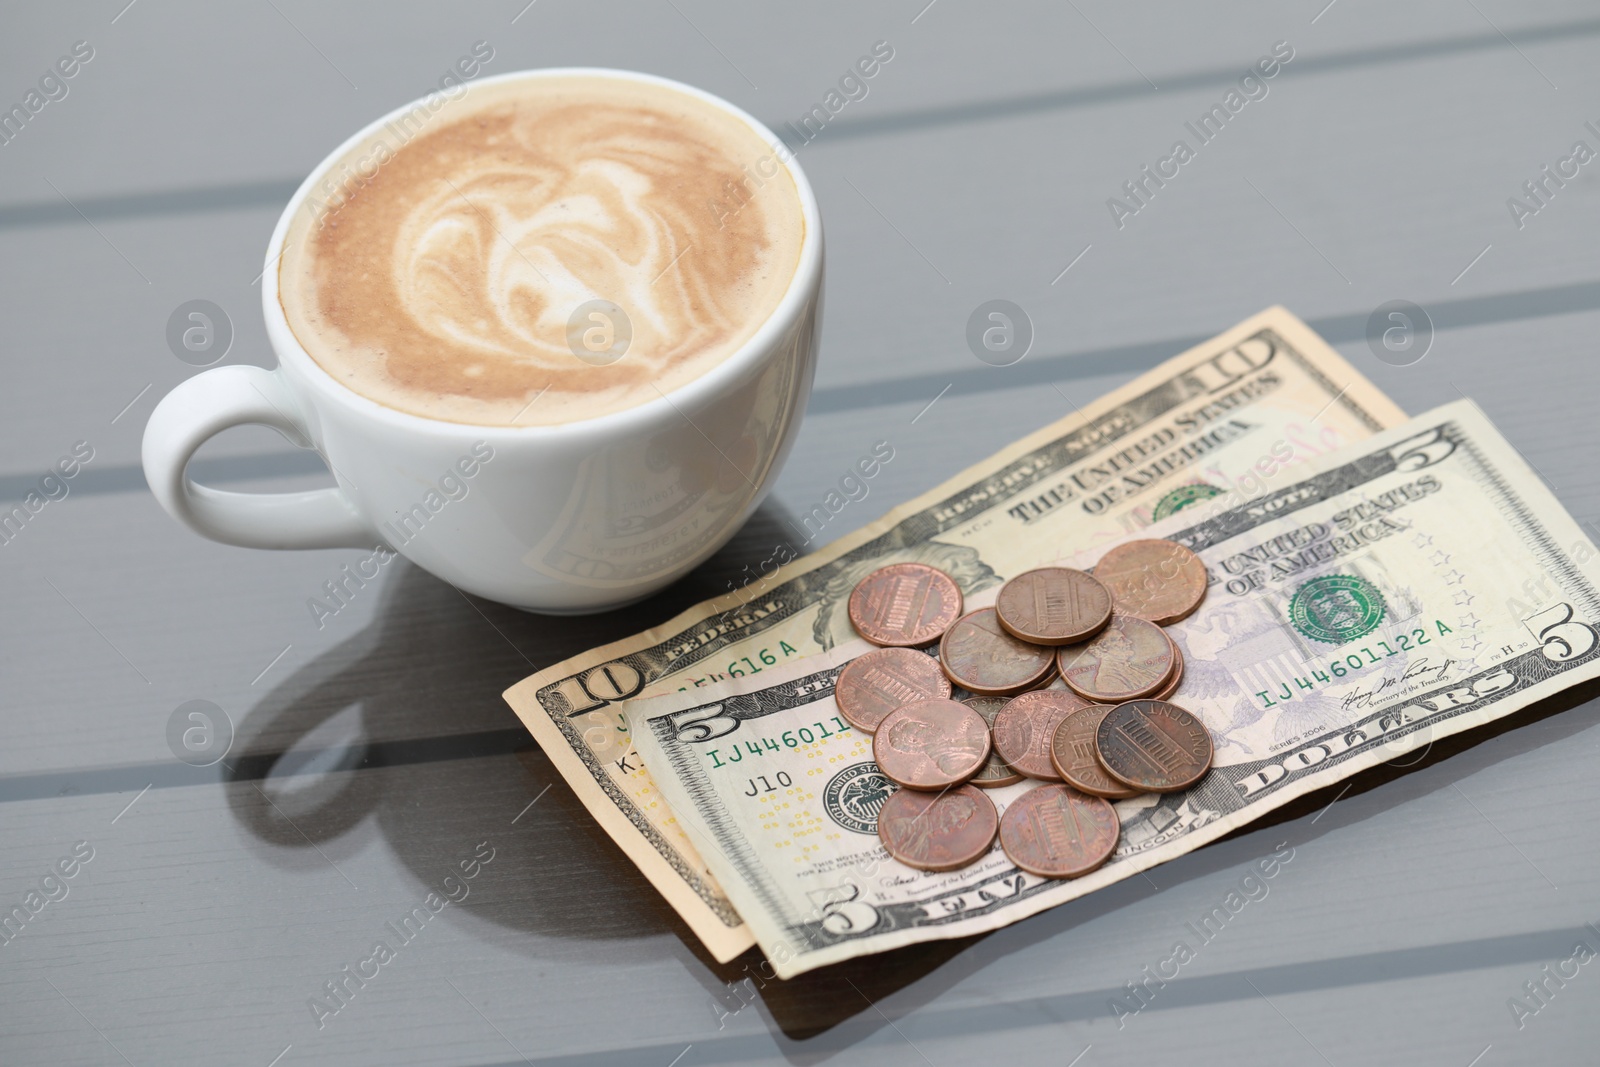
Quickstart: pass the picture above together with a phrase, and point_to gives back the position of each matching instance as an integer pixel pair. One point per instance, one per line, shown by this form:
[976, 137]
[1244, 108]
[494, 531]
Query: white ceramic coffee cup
[569, 518]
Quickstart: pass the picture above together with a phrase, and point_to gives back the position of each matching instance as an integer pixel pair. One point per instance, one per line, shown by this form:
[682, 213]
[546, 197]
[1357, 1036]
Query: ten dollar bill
[1266, 394]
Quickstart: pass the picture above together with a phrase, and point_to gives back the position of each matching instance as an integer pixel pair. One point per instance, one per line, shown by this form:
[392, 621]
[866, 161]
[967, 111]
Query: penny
[1050, 679]
[1175, 676]
[1072, 752]
[1024, 728]
[1128, 659]
[1057, 832]
[904, 605]
[931, 744]
[1053, 606]
[996, 772]
[982, 658]
[875, 683]
[938, 831]
[1169, 683]
[1158, 581]
[1153, 746]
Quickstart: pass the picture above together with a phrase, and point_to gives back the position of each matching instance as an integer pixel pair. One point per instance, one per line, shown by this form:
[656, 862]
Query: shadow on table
[420, 688]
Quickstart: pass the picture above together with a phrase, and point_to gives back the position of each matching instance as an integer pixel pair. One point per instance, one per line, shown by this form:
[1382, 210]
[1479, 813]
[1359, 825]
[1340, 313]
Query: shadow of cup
[401, 728]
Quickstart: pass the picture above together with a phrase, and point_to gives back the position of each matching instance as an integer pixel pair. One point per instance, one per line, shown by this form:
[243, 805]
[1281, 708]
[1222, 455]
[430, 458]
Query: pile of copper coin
[1068, 679]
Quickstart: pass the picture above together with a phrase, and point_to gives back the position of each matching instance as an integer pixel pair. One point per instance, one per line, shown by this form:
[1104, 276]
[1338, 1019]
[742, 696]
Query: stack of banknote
[1375, 584]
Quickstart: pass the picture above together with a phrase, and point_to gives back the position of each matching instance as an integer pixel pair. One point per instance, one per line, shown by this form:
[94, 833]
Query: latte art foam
[443, 284]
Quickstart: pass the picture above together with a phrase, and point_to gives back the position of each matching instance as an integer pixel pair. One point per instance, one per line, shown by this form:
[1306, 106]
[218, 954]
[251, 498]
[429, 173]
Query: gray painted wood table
[372, 754]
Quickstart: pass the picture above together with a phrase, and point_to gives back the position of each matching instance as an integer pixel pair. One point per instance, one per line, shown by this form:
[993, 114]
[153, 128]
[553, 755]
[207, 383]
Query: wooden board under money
[1266, 394]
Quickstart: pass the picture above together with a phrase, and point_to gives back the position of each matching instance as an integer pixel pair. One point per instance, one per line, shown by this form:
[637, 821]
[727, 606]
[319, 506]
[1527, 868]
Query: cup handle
[209, 403]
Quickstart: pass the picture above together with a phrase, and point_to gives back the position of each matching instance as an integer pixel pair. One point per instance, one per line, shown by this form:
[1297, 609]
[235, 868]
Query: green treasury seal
[1182, 497]
[1336, 608]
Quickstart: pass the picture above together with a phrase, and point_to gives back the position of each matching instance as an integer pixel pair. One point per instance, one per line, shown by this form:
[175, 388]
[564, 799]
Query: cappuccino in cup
[606, 281]
[542, 251]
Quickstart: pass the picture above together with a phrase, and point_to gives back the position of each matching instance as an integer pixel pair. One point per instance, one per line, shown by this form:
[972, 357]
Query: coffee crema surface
[439, 269]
